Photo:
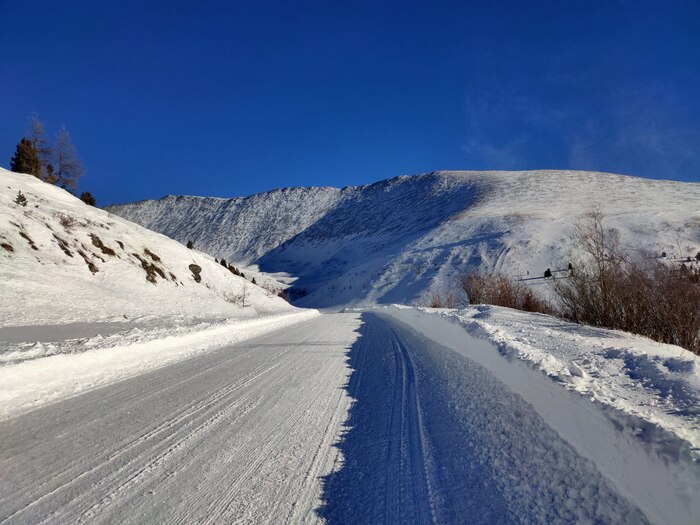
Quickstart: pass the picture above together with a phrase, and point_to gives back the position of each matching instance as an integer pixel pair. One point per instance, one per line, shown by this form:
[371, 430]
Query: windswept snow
[396, 240]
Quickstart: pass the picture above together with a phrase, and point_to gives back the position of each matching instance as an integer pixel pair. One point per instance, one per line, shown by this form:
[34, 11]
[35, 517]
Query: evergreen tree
[25, 159]
[68, 166]
[21, 199]
[190, 245]
[87, 198]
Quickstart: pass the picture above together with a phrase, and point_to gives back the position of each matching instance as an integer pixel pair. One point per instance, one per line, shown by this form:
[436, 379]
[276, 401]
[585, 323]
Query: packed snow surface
[397, 240]
[344, 418]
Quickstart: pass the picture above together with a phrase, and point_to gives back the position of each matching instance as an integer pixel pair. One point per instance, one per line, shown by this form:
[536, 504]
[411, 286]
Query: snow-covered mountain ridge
[398, 239]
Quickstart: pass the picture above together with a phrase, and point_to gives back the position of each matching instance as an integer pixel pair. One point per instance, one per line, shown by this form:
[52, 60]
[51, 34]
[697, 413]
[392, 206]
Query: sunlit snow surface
[171, 401]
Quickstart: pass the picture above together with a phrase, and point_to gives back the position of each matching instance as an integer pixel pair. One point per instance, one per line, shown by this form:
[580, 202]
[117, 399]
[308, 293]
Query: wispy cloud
[638, 131]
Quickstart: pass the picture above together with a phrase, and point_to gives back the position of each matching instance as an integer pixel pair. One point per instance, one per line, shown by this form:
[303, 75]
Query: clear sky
[229, 98]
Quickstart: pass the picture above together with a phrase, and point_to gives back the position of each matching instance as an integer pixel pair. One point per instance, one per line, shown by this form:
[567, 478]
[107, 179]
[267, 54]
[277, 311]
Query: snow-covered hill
[62, 261]
[399, 239]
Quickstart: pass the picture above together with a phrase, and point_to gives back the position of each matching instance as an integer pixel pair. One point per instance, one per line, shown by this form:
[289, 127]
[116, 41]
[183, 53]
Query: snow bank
[624, 402]
[34, 382]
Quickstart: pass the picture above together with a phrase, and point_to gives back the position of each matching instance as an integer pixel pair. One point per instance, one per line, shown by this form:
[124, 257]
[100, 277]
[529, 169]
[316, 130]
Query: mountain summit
[399, 239]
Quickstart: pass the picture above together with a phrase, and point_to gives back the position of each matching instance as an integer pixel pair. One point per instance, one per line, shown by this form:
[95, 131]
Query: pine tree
[190, 245]
[21, 199]
[25, 159]
[68, 166]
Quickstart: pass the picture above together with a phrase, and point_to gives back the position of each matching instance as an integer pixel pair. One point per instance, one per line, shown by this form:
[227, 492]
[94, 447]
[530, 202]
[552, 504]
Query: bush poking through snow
[236, 298]
[91, 266]
[97, 242]
[152, 271]
[151, 255]
[67, 221]
[196, 272]
[501, 290]
[29, 240]
[641, 295]
[438, 301]
[63, 245]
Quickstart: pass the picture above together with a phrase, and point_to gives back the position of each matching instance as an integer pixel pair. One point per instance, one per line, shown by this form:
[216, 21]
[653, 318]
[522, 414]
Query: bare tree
[68, 166]
[37, 136]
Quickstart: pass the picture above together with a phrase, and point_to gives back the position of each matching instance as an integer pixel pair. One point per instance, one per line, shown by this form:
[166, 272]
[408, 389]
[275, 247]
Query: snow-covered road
[347, 418]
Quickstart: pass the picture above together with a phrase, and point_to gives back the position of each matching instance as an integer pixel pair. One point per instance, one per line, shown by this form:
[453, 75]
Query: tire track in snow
[176, 424]
[387, 445]
[407, 496]
[219, 442]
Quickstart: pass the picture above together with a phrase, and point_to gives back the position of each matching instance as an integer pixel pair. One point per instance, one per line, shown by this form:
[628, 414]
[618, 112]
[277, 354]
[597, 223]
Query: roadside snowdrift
[397, 240]
[630, 405]
[79, 365]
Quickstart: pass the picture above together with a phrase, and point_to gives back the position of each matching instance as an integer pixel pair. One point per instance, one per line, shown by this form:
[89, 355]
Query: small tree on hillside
[68, 167]
[21, 199]
[87, 198]
[190, 245]
[25, 159]
[37, 137]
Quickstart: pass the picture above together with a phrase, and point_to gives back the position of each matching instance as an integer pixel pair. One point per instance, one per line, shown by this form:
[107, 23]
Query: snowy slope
[63, 261]
[398, 239]
[87, 298]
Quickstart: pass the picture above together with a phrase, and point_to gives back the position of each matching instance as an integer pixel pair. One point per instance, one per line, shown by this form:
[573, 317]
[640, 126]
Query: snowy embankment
[100, 361]
[628, 404]
[88, 298]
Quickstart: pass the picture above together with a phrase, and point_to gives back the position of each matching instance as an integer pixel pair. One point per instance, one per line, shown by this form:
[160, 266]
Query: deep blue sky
[231, 98]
